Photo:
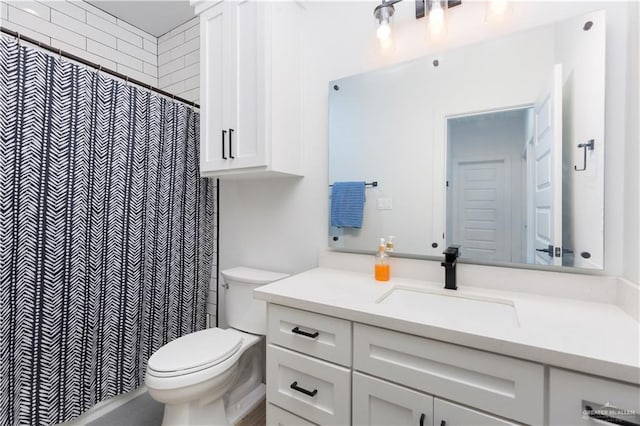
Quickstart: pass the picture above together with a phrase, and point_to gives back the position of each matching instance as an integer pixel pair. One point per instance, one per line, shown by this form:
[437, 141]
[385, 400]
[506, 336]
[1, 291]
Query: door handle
[224, 155]
[295, 387]
[297, 330]
[231, 144]
[548, 250]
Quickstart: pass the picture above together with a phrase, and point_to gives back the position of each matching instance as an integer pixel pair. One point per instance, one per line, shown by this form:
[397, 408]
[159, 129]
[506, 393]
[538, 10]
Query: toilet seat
[194, 352]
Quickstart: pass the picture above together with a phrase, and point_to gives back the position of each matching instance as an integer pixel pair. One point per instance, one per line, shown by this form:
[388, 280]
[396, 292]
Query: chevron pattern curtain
[106, 234]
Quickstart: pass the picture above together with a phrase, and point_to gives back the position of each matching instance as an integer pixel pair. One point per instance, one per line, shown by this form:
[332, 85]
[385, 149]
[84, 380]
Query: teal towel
[347, 204]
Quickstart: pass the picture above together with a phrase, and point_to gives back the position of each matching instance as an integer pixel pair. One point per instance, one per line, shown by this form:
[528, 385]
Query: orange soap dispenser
[382, 271]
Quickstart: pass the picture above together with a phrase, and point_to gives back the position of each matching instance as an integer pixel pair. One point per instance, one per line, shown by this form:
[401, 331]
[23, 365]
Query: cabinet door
[449, 414]
[213, 37]
[376, 402]
[244, 83]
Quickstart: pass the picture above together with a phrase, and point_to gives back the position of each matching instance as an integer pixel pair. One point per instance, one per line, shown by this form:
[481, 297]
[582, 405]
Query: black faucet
[450, 261]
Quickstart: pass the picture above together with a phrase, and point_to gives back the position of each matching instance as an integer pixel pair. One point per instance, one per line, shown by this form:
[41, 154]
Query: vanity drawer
[570, 393]
[314, 334]
[276, 416]
[505, 386]
[308, 387]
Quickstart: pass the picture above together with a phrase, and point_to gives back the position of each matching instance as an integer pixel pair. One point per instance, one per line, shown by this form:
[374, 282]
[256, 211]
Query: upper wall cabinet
[250, 87]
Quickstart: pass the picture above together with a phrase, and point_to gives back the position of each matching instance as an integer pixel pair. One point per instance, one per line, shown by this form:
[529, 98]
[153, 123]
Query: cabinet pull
[312, 393]
[231, 144]
[422, 416]
[594, 414]
[304, 333]
[443, 423]
[224, 155]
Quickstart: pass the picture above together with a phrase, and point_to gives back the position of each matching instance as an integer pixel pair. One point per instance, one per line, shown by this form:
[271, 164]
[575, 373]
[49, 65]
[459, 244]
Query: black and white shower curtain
[106, 234]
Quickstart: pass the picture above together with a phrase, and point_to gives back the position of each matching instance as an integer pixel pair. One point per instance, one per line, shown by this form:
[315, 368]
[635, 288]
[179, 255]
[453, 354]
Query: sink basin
[449, 307]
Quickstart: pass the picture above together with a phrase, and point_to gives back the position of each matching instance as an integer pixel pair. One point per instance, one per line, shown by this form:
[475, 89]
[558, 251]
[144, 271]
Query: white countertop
[595, 338]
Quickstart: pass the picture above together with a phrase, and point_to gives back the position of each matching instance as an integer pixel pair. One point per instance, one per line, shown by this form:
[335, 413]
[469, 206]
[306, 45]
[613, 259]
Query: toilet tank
[243, 312]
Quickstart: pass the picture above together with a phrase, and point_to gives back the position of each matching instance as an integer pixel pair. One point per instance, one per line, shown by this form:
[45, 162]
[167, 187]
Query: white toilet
[215, 376]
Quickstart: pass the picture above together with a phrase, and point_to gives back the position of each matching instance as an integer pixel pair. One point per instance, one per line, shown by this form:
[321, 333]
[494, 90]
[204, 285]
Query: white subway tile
[99, 60]
[175, 87]
[92, 10]
[114, 55]
[151, 70]
[184, 26]
[212, 297]
[150, 46]
[69, 8]
[26, 31]
[166, 57]
[54, 31]
[211, 309]
[32, 7]
[137, 75]
[169, 44]
[192, 95]
[186, 73]
[137, 52]
[113, 29]
[173, 66]
[82, 28]
[192, 82]
[192, 58]
[192, 32]
[135, 30]
[164, 81]
[3, 10]
[190, 46]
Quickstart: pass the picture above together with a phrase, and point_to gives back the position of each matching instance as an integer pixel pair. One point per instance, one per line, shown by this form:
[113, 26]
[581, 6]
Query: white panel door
[449, 414]
[482, 217]
[243, 87]
[376, 402]
[547, 204]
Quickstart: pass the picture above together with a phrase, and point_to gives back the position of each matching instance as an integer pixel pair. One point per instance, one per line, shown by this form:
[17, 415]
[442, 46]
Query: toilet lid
[195, 351]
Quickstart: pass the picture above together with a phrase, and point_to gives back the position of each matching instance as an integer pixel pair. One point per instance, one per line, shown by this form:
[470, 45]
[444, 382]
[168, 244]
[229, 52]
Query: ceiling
[153, 16]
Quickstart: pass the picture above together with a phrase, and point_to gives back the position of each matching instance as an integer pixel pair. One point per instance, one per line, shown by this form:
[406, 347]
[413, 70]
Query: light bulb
[384, 31]
[436, 18]
[496, 10]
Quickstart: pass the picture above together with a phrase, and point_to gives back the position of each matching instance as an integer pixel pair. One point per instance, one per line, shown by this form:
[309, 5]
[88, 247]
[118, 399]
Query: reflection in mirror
[486, 147]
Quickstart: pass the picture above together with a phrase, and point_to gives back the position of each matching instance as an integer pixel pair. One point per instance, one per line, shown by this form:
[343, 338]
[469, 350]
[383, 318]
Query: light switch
[385, 203]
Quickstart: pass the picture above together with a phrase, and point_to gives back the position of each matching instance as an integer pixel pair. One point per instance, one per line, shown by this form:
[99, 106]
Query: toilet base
[192, 413]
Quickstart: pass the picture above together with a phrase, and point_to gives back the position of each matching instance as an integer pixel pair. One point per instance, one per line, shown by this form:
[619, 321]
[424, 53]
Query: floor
[144, 411]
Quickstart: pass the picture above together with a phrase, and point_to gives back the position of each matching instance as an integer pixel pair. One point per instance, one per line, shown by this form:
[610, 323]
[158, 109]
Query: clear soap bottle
[382, 270]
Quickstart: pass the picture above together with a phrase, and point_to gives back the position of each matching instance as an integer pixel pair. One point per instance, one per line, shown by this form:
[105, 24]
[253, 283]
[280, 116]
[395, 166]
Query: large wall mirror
[496, 147]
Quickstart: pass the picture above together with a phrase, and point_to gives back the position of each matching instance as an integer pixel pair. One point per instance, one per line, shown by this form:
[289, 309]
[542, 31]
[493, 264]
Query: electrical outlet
[385, 203]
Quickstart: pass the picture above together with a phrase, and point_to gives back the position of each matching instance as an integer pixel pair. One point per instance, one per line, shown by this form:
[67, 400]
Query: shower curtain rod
[98, 67]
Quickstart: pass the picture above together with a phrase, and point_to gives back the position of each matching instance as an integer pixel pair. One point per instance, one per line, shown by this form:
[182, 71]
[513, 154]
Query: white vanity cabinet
[573, 397]
[249, 87]
[331, 371]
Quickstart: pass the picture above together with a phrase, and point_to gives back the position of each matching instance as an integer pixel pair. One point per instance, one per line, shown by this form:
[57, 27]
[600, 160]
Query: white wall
[631, 242]
[86, 31]
[282, 224]
[179, 60]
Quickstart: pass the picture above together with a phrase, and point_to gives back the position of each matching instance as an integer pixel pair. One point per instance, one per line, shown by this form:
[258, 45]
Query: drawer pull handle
[422, 416]
[304, 333]
[594, 414]
[312, 393]
[443, 423]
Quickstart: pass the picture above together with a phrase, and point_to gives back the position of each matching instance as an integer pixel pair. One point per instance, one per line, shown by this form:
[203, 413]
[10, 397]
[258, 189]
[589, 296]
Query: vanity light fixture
[385, 10]
[384, 15]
